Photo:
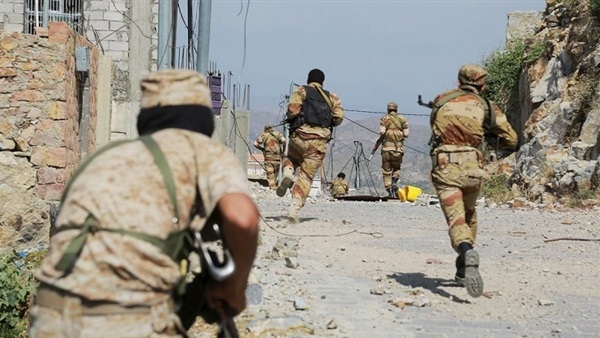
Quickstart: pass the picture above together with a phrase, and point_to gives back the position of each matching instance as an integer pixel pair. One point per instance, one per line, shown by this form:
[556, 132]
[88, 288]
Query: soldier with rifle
[312, 113]
[460, 121]
[393, 130]
[132, 213]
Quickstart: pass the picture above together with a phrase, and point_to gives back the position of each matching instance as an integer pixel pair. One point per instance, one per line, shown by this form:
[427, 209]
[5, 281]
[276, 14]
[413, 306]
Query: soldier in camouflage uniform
[460, 120]
[312, 112]
[272, 144]
[339, 186]
[393, 130]
[108, 272]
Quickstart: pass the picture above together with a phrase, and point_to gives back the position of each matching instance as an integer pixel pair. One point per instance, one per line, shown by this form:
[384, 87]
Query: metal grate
[39, 12]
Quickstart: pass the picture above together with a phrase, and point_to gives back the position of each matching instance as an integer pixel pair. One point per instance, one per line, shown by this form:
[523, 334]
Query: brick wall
[39, 122]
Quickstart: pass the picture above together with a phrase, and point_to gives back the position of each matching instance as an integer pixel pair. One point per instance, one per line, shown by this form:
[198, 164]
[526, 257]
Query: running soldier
[312, 112]
[272, 143]
[460, 120]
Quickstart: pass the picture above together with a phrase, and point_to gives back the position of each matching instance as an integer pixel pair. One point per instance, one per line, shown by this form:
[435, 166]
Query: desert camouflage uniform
[308, 144]
[458, 131]
[339, 187]
[394, 129]
[270, 142]
[119, 281]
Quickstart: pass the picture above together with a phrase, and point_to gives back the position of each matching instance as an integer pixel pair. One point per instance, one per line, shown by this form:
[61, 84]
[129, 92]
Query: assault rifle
[421, 103]
[213, 268]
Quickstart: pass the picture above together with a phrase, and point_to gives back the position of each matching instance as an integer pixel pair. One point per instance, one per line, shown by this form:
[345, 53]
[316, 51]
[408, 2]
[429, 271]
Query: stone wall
[39, 126]
[125, 30]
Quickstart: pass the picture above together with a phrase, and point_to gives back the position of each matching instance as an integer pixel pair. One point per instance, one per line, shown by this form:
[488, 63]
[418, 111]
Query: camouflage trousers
[308, 155]
[73, 320]
[272, 169]
[391, 162]
[458, 187]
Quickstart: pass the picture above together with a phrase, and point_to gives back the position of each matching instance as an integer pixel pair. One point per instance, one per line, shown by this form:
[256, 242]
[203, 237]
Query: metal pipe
[203, 36]
[165, 38]
[36, 8]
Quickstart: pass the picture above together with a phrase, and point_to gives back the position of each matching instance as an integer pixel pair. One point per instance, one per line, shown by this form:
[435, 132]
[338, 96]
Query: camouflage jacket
[313, 132]
[270, 142]
[338, 187]
[393, 129]
[464, 121]
[123, 188]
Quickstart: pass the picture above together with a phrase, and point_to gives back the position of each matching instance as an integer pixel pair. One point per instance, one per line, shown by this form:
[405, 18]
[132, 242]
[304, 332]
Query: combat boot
[294, 211]
[459, 277]
[287, 181]
[473, 281]
[391, 192]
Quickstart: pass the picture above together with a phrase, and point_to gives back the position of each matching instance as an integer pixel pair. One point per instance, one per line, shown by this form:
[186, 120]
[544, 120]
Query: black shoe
[391, 193]
[459, 277]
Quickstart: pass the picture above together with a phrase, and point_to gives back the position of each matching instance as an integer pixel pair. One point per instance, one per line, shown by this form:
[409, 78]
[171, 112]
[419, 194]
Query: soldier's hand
[228, 297]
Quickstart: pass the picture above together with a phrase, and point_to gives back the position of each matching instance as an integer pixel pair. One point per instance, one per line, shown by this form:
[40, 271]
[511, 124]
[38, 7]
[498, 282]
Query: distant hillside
[344, 149]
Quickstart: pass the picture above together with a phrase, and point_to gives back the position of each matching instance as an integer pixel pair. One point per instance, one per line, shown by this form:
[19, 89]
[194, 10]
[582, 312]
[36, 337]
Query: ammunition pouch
[459, 158]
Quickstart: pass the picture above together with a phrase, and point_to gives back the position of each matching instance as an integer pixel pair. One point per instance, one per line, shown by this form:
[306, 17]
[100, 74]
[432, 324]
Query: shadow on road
[419, 279]
[284, 218]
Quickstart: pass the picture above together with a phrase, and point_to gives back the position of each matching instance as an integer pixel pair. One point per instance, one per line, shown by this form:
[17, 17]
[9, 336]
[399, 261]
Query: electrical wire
[245, 39]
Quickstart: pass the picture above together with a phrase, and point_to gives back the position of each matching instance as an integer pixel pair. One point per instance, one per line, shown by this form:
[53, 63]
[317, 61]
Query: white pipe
[37, 13]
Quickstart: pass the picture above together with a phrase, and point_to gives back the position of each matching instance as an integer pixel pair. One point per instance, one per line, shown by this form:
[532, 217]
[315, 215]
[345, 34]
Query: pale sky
[371, 51]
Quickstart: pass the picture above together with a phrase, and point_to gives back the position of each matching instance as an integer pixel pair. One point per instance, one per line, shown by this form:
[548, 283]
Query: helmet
[472, 75]
[268, 126]
[392, 106]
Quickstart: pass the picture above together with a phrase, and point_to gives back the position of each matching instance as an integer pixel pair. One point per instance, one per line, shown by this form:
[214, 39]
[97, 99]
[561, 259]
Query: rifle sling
[175, 245]
[327, 99]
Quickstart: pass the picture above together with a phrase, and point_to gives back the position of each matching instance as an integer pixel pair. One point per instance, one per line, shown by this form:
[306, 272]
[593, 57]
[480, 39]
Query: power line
[382, 112]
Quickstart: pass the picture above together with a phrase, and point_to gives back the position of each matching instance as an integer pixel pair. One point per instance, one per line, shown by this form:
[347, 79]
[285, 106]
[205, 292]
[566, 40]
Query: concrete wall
[11, 15]
[125, 30]
[40, 141]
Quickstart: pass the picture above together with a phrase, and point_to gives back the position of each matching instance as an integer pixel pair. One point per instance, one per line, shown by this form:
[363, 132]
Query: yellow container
[401, 194]
[412, 193]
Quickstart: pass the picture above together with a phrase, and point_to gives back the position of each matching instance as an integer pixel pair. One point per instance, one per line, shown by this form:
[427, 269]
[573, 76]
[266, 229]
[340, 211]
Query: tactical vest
[317, 109]
[178, 245]
[489, 119]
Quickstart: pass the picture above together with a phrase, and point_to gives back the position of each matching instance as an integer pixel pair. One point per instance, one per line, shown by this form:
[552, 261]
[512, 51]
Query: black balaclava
[196, 118]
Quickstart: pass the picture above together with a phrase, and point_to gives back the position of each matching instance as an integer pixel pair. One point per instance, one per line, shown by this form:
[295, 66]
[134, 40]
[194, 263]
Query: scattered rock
[331, 325]
[545, 302]
[434, 261]
[291, 262]
[377, 291]
[300, 304]
[254, 294]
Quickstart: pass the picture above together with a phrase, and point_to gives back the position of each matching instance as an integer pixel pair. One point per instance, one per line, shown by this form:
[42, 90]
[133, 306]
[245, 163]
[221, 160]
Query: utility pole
[203, 36]
[166, 29]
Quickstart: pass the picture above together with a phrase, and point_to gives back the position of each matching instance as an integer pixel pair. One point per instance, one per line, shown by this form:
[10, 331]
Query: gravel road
[385, 269]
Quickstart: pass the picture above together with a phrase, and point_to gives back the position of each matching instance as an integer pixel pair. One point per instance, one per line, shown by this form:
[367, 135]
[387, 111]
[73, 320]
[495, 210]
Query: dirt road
[385, 269]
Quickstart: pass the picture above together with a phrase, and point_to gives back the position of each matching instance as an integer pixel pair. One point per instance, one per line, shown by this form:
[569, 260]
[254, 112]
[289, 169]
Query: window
[69, 11]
